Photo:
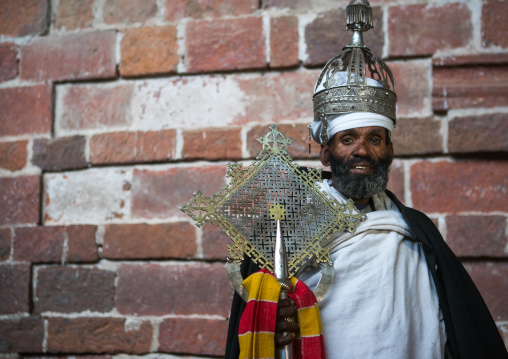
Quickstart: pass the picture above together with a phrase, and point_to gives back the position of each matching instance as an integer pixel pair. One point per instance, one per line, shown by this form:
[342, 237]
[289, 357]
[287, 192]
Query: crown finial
[359, 16]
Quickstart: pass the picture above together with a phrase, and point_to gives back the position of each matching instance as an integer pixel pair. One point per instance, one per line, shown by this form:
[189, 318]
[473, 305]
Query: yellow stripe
[259, 345]
[310, 321]
[262, 287]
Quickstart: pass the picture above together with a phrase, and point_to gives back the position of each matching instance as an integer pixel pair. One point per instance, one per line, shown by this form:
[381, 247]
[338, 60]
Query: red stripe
[264, 315]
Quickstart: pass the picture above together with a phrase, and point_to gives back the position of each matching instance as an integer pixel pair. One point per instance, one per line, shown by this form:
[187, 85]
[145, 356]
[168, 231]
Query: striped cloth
[257, 325]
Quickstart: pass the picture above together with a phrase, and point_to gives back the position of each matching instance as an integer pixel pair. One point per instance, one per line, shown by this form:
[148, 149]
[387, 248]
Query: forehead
[371, 130]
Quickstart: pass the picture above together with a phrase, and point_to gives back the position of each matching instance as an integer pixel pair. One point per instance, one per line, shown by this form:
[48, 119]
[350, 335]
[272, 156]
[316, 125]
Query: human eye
[376, 140]
[347, 140]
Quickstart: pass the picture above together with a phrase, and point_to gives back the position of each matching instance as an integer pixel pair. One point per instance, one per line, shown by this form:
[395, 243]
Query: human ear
[324, 155]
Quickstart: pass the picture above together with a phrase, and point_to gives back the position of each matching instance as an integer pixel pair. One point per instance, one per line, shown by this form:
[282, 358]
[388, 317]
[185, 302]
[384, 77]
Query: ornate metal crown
[356, 80]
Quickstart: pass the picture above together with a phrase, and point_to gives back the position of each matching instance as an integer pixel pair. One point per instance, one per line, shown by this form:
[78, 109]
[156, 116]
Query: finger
[283, 340]
[286, 312]
[287, 327]
[286, 302]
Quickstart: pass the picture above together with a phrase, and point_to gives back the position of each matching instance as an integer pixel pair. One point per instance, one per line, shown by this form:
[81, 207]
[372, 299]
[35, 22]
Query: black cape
[470, 329]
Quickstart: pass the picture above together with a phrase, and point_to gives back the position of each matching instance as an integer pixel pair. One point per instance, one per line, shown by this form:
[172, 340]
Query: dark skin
[365, 142]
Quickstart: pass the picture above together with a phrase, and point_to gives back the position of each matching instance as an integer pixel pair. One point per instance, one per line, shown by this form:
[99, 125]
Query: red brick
[97, 335]
[284, 42]
[76, 55]
[22, 335]
[479, 59]
[417, 30]
[225, 45]
[19, 200]
[182, 289]
[179, 9]
[491, 278]
[13, 155]
[212, 144]
[214, 242]
[149, 51]
[193, 336]
[66, 290]
[26, 110]
[477, 236]
[14, 289]
[8, 61]
[396, 180]
[326, 36]
[59, 154]
[133, 241]
[161, 193]
[417, 136]
[131, 147]
[81, 244]
[128, 11]
[87, 107]
[39, 244]
[5, 243]
[24, 17]
[494, 26]
[72, 15]
[484, 133]
[451, 187]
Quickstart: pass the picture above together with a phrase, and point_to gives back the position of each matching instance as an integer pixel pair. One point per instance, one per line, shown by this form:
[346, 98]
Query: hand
[286, 309]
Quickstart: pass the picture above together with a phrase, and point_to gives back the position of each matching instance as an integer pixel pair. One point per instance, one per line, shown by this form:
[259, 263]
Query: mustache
[360, 159]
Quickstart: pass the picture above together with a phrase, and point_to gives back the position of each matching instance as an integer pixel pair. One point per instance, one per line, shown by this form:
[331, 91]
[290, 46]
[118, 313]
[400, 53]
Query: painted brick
[128, 11]
[477, 236]
[451, 187]
[5, 243]
[326, 36]
[212, 144]
[81, 244]
[161, 193]
[13, 155]
[149, 51]
[25, 110]
[98, 335]
[179, 9]
[24, 17]
[193, 336]
[8, 61]
[478, 133]
[66, 290]
[19, 200]
[77, 56]
[84, 197]
[151, 289]
[134, 241]
[214, 242]
[59, 154]
[132, 147]
[225, 45]
[91, 106]
[38, 244]
[396, 180]
[491, 279]
[494, 27]
[284, 42]
[417, 30]
[417, 136]
[14, 288]
[22, 335]
[72, 15]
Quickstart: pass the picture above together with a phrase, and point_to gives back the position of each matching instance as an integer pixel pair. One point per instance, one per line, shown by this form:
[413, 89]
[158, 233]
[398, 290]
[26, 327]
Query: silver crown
[356, 80]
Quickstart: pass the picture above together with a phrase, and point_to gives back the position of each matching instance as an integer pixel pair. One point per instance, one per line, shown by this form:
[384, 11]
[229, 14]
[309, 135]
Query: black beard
[357, 186]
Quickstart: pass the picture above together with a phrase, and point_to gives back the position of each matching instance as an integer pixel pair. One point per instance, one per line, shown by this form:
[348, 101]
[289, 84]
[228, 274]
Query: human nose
[361, 149]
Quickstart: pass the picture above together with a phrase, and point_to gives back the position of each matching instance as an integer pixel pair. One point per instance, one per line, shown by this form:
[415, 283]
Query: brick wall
[112, 112]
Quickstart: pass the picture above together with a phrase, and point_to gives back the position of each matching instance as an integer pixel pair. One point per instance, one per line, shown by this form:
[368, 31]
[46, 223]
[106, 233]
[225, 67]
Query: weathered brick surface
[149, 51]
[161, 193]
[76, 55]
[396, 180]
[451, 187]
[59, 153]
[19, 200]
[494, 27]
[38, 244]
[134, 241]
[25, 110]
[491, 279]
[22, 335]
[475, 59]
[81, 244]
[98, 335]
[477, 236]
[193, 336]
[151, 289]
[13, 155]
[224, 45]
[66, 289]
[325, 36]
[5, 243]
[214, 242]
[90, 106]
[71, 14]
[284, 41]
[131, 147]
[8, 61]
[14, 289]
[179, 9]
[417, 136]
[128, 11]
[212, 144]
[418, 29]
[24, 17]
